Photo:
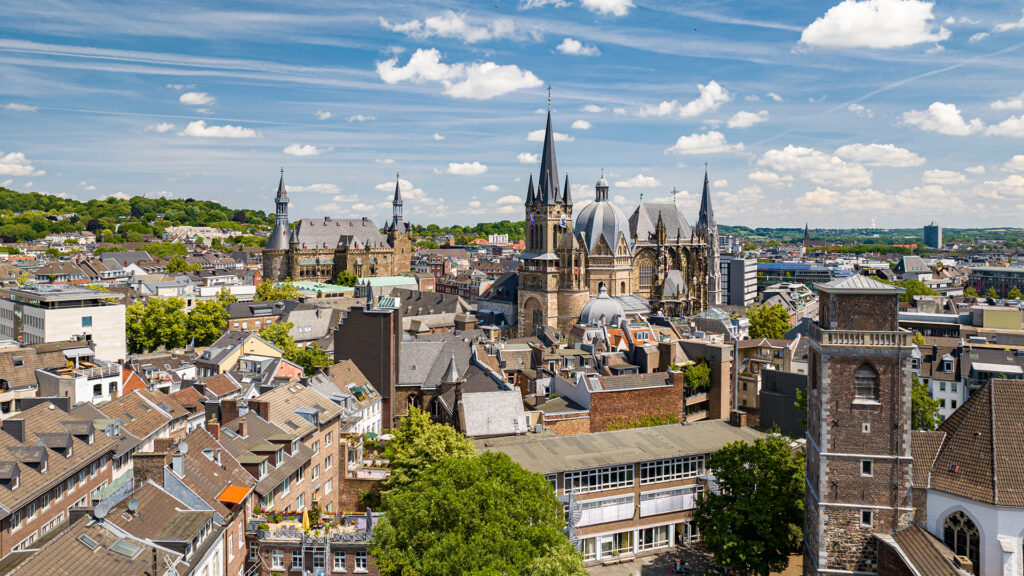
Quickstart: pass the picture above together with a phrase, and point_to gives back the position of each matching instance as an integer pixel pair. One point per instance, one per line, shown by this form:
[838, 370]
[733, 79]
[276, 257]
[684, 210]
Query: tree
[753, 521]
[768, 321]
[970, 292]
[225, 297]
[697, 377]
[346, 278]
[924, 410]
[919, 339]
[914, 288]
[269, 290]
[179, 264]
[991, 292]
[418, 444]
[160, 322]
[481, 515]
[207, 322]
[801, 405]
[310, 358]
[1015, 294]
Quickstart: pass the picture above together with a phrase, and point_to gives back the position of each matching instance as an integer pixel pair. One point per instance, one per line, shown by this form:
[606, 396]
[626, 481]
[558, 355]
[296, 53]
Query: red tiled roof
[132, 381]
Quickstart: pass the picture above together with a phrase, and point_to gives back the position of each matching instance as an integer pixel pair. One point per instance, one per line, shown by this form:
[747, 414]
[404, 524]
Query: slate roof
[911, 265]
[644, 219]
[602, 219]
[125, 440]
[263, 308]
[858, 284]
[340, 381]
[923, 553]
[329, 232]
[627, 382]
[257, 432]
[424, 360]
[420, 303]
[495, 413]
[474, 381]
[160, 516]
[137, 415]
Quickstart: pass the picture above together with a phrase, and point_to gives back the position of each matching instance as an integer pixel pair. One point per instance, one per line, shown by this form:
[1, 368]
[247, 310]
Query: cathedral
[318, 249]
[654, 253]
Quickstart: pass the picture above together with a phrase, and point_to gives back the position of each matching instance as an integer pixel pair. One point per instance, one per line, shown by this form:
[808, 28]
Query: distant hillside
[28, 216]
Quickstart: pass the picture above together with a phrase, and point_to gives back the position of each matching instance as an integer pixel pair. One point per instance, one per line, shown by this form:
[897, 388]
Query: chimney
[738, 418]
[243, 428]
[148, 466]
[163, 444]
[228, 410]
[260, 407]
[15, 427]
[178, 464]
[213, 427]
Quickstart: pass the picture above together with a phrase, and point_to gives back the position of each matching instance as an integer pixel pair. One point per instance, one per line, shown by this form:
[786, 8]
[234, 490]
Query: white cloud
[527, 158]
[409, 192]
[942, 118]
[1010, 187]
[361, 118]
[452, 25]
[879, 155]
[980, 169]
[733, 204]
[593, 108]
[1015, 164]
[1015, 103]
[21, 107]
[816, 166]
[712, 95]
[438, 136]
[159, 194]
[477, 80]
[869, 201]
[943, 177]
[538, 136]
[860, 110]
[744, 119]
[577, 48]
[874, 24]
[978, 37]
[16, 164]
[639, 181]
[319, 188]
[7, 182]
[720, 183]
[160, 127]
[466, 168]
[581, 125]
[619, 111]
[492, 188]
[1007, 26]
[196, 99]
[510, 199]
[385, 160]
[322, 115]
[614, 7]
[89, 187]
[768, 177]
[1012, 127]
[302, 150]
[116, 196]
[199, 129]
[774, 96]
[712, 142]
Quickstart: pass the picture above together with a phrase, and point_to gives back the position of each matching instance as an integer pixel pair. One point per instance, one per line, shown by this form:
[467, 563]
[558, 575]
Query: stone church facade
[318, 249]
[654, 253]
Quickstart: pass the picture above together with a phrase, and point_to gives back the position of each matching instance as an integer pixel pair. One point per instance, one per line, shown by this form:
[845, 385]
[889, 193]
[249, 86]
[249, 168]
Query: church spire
[807, 234]
[566, 195]
[547, 186]
[396, 205]
[529, 191]
[707, 214]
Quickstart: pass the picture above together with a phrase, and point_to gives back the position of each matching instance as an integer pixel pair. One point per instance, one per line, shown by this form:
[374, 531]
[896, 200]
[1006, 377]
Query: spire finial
[641, 197]
[549, 96]
[705, 167]
[282, 170]
[602, 172]
[674, 192]
[396, 174]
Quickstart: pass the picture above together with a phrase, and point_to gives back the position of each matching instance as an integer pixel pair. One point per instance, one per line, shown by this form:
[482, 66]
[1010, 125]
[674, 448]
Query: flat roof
[549, 455]
[60, 292]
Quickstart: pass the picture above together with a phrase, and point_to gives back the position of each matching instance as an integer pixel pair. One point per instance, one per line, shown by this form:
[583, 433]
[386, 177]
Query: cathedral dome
[602, 309]
[602, 219]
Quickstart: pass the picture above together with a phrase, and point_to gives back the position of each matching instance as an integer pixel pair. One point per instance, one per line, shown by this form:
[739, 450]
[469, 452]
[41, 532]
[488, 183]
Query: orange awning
[233, 494]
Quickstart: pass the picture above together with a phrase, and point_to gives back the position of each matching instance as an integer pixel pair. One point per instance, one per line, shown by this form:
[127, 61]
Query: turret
[566, 195]
[396, 206]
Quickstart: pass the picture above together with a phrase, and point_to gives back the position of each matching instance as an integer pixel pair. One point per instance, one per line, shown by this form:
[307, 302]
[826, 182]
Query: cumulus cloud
[1012, 127]
[302, 150]
[510, 199]
[874, 24]
[116, 196]
[492, 188]
[613, 7]
[713, 142]
[196, 99]
[942, 118]
[1015, 103]
[18, 107]
[527, 158]
[879, 155]
[743, 119]
[978, 37]
[319, 188]
[1007, 26]
[361, 118]
[466, 168]
[871, 201]
[160, 127]
[712, 95]
[385, 160]
[860, 110]
[581, 125]
[476, 80]
[438, 136]
[720, 183]
[323, 115]
[16, 164]
[1015, 164]
[409, 192]
[577, 48]
[818, 167]
[773, 96]
[639, 181]
[768, 177]
[199, 129]
[980, 169]
[538, 136]
[943, 177]
[1010, 187]
[593, 108]
[452, 25]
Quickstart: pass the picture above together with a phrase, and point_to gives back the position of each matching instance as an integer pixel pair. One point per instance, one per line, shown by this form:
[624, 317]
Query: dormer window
[15, 483]
[279, 458]
[263, 470]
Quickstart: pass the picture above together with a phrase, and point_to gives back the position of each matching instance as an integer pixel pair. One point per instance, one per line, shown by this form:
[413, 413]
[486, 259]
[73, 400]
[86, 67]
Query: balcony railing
[863, 338]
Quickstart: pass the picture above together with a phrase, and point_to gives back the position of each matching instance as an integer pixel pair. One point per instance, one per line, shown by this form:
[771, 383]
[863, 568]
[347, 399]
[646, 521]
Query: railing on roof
[865, 338]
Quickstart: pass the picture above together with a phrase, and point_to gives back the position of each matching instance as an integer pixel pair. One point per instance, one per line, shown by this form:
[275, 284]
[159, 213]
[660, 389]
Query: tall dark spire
[566, 195]
[547, 186]
[807, 233]
[396, 205]
[707, 214]
[529, 191]
[278, 239]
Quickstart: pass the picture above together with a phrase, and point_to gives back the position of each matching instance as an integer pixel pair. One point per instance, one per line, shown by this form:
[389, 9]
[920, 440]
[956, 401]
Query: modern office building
[771, 273]
[38, 314]
[933, 235]
[1000, 278]
[739, 280]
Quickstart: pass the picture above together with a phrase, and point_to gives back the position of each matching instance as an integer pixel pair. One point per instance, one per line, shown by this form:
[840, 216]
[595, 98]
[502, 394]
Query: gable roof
[644, 220]
[924, 447]
[859, 284]
[284, 404]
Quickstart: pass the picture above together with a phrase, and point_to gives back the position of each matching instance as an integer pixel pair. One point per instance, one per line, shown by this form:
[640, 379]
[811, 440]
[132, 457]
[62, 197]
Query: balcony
[860, 338]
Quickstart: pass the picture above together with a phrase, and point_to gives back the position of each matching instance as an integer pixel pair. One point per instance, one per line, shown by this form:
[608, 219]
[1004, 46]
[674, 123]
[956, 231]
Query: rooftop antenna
[133, 505]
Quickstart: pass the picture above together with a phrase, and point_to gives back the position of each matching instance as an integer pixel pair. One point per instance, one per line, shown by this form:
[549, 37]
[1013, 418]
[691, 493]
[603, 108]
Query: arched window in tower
[865, 381]
[962, 536]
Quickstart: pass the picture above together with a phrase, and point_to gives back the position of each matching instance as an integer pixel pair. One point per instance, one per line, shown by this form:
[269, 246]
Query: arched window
[622, 287]
[866, 382]
[646, 272]
[962, 536]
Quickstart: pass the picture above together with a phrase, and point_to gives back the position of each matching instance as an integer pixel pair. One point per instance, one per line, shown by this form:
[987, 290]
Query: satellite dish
[100, 512]
[133, 505]
[183, 447]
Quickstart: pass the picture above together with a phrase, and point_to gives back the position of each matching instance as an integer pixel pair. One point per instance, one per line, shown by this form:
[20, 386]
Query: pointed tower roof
[707, 214]
[566, 195]
[281, 192]
[807, 233]
[451, 373]
[398, 191]
[547, 186]
[529, 191]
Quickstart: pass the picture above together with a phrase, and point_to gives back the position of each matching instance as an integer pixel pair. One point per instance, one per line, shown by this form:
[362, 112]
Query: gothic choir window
[961, 535]
[866, 382]
[646, 266]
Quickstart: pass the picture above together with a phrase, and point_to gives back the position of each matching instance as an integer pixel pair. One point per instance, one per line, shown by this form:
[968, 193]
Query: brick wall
[371, 340]
[890, 563]
[858, 311]
[568, 426]
[350, 491]
[611, 406]
[267, 548]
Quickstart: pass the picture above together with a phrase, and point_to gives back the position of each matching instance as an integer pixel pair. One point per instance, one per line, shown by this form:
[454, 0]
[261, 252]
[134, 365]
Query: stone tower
[707, 228]
[858, 427]
[275, 253]
[398, 233]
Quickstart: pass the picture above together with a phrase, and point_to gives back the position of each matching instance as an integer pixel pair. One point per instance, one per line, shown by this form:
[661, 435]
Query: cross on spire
[549, 96]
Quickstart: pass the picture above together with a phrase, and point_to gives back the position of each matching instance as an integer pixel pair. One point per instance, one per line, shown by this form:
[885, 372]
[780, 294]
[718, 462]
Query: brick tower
[858, 427]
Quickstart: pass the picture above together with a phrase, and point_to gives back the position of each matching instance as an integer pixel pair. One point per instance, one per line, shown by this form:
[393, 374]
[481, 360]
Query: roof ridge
[992, 424]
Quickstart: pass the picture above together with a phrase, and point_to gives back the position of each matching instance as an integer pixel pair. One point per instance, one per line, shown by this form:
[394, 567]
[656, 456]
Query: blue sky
[884, 112]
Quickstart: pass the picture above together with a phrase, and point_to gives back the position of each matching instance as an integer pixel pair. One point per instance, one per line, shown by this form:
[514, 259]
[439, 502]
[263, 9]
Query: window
[360, 561]
[86, 321]
[319, 561]
[961, 535]
[327, 463]
[954, 386]
[277, 560]
[671, 469]
[649, 538]
[316, 447]
[26, 543]
[231, 546]
[316, 472]
[867, 518]
[866, 382]
[327, 489]
[254, 551]
[327, 439]
[296, 559]
[596, 479]
[953, 404]
[300, 474]
[18, 361]
[866, 427]
[553, 480]
[339, 561]
[300, 502]
[286, 486]
[942, 386]
[665, 501]
[606, 510]
[866, 467]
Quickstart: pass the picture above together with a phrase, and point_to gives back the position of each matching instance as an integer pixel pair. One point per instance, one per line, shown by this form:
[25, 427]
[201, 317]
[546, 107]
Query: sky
[882, 113]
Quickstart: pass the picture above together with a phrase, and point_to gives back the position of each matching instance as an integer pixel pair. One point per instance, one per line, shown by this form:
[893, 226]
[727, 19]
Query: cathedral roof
[602, 219]
[644, 221]
[675, 286]
[329, 232]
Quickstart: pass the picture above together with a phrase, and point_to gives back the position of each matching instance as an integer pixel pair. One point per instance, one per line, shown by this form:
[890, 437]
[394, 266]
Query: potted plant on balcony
[697, 378]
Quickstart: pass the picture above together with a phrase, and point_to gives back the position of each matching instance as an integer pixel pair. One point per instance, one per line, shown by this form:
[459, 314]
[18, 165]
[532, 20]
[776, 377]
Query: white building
[38, 314]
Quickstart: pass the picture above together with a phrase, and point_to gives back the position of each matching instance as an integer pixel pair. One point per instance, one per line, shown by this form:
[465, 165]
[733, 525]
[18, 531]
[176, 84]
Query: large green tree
[346, 278]
[179, 264]
[480, 516]
[310, 358]
[158, 322]
[206, 322]
[768, 321]
[924, 410]
[753, 520]
[1014, 294]
[418, 444]
[269, 290]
